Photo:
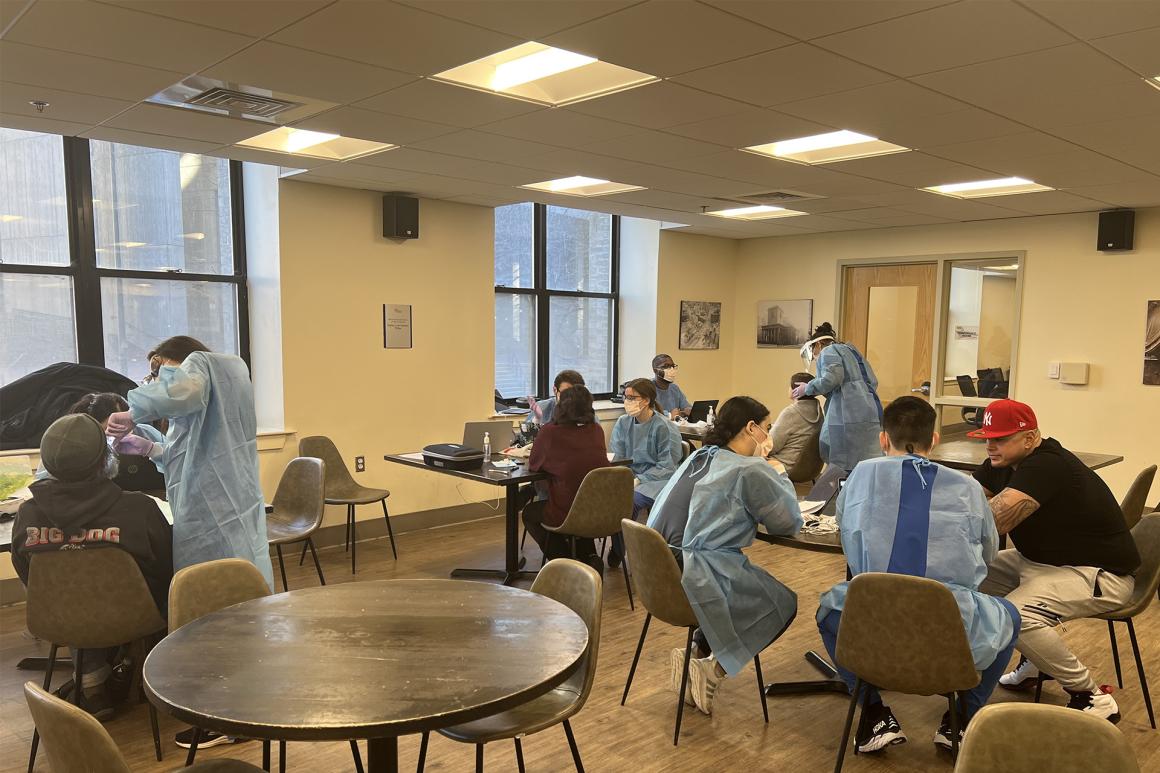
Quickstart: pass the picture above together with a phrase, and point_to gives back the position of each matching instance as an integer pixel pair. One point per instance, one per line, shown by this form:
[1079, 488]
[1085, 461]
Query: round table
[371, 660]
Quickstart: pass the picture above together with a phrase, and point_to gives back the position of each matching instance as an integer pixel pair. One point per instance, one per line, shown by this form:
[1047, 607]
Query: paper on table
[806, 506]
[166, 510]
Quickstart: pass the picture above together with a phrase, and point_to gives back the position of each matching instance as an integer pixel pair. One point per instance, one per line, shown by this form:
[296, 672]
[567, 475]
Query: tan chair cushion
[203, 588]
[1133, 504]
[72, 739]
[604, 498]
[1146, 533]
[658, 577]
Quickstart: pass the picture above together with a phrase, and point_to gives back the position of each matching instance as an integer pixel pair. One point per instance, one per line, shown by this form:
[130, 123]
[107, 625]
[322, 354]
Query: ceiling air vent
[777, 198]
[241, 104]
[236, 100]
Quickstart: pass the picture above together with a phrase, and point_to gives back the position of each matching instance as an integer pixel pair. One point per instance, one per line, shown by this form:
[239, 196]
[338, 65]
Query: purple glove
[134, 446]
[119, 425]
[799, 391]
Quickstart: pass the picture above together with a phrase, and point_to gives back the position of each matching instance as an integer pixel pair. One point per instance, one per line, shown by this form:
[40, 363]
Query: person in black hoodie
[80, 508]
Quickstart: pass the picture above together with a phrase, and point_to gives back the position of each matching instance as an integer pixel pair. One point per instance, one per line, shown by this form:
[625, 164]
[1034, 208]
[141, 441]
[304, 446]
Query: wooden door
[888, 314]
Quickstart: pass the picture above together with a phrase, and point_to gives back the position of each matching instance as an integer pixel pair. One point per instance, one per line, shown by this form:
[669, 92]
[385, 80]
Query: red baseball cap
[1005, 417]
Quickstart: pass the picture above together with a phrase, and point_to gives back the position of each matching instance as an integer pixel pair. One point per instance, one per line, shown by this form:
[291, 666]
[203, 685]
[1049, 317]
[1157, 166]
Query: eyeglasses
[629, 399]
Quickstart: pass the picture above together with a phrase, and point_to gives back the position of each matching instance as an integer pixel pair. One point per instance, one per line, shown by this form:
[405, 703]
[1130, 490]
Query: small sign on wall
[396, 326]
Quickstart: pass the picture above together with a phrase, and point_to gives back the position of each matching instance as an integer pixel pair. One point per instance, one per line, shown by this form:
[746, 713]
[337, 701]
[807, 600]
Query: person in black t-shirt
[1073, 557]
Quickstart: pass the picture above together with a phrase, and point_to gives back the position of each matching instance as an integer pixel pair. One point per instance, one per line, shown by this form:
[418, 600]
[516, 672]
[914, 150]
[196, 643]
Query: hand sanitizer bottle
[487, 446]
[712, 417]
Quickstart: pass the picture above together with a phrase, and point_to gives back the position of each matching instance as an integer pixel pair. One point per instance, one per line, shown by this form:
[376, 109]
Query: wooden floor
[802, 735]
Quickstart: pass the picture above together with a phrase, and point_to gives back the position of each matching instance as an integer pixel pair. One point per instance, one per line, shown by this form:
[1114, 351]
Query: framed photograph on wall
[700, 325]
[784, 324]
[1152, 345]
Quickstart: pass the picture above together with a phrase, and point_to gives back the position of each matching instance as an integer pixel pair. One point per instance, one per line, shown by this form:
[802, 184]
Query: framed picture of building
[1152, 345]
[700, 325]
[784, 324]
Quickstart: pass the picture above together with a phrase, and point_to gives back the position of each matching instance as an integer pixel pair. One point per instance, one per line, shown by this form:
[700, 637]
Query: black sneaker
[614, 559]
[881, 729]
[943, 736]
[209, 738]
[97, 703]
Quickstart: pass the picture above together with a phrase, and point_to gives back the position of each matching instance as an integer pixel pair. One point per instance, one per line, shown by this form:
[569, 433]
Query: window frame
[543, 298]
[86, 275]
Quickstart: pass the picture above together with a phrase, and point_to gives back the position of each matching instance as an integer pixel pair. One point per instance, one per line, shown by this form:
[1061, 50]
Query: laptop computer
[500, 431]
[700, 410]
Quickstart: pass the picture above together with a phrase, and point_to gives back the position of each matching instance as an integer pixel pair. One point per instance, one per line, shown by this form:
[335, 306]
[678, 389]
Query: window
[555, 298]
[107, 249]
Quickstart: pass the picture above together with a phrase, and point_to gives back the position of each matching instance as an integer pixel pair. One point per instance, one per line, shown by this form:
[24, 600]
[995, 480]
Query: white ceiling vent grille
[237, 100]
[241, 104]
[777, 198]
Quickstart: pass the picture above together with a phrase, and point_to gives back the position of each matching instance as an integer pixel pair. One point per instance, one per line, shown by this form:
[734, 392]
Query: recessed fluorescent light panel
[981, 188]
[539, 73]
[302, 142]
[582, 186]
[1154, 81]
[827, 148]
[761, 212]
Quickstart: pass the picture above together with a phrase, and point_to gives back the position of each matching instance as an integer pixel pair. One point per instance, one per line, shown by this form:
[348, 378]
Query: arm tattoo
[1011, 507]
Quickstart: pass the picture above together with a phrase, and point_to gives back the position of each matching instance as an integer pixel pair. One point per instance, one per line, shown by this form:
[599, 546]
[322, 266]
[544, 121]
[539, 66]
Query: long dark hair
[99, 405]
[646, 389]
[177, 348]
[574, 406]
[733, 417]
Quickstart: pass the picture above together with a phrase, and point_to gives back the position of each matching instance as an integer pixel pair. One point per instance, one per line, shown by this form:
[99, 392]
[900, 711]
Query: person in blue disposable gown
[741, 609]
[210, 457]
[101, 405]
[904, 514]
[670, 398]
[543, 410]
[853, 410]
[651, 441]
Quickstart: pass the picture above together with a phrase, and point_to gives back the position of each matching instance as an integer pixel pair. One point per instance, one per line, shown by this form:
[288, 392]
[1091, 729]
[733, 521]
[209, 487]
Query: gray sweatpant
[1048, 595]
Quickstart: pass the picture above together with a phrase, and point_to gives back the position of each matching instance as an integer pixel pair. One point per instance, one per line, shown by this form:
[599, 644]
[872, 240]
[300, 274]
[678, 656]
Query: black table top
[365, 660]
[968, 454]
[821, 543]
[486, 473]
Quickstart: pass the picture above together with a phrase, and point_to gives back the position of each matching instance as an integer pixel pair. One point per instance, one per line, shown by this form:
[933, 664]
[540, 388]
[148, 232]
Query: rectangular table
[968, 455]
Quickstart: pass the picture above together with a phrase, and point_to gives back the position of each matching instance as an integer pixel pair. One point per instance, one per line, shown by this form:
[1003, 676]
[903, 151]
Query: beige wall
[996, 321]
[1078, 305]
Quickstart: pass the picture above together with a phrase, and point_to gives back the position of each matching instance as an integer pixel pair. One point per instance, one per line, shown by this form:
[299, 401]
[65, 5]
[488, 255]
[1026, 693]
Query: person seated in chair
[796, 431]
[543, 410]
[904, 514]
[80, 508]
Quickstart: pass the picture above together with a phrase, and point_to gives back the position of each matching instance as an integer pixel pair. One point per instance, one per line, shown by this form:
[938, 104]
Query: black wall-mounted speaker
[400, 217]
[1116, 232]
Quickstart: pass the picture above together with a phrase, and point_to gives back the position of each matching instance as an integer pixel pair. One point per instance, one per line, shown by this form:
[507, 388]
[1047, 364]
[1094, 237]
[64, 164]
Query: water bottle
[712, 417]
[487, 446]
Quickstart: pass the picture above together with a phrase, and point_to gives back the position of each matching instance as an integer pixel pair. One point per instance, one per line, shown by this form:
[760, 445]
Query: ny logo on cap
[987, 419]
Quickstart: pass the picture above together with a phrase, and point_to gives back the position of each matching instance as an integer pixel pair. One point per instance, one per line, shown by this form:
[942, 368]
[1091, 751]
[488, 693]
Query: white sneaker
[676, 670]
[705, 680]
[1022, 678]
[1098, 703]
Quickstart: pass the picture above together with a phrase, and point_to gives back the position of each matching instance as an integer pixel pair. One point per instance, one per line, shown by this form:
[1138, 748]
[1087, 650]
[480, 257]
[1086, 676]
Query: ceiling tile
[177, 122]
[1143, 194]
[423, 162]
[949, 36]
[530, 19]
[484, 146]
[36, 123]
[9, 10]
[752, 126]
[83, 74]
[752, 168]
[785, 75]
[306, 73]
[393, 36]
[666, 37]
[923, 131]
[486, 201]
[430, 100]
[807, 19]
[678, 202]
[875, 108]
[369, 125]
[997, 151]
[1074, 168]
[440, 187]
[824, 223]
[652, 147]
[561, 128]
[351, 170]
[1087, 19]
[270, 158]
[659, 105]
[63, 105]
[1115, 136]
[915, 170]
[570, 162]
[889, 218]
[1051, 203]
[1138, 50]
[124, 36]
[249, 17]
[145, 140]
[959, 209]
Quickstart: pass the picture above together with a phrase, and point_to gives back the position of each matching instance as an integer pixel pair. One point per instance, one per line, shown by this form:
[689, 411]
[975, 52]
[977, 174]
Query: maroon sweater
[567, 452]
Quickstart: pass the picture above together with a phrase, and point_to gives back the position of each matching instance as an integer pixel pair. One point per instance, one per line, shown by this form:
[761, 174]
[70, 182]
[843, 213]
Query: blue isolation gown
[908, 515]
[210, 460]
[740, 607]
[853, 410]
[671, 399]
[654, 448]
[547, 410]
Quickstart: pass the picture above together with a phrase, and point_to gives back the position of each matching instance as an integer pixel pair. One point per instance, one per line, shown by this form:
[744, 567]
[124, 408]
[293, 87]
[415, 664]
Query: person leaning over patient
[795, 433]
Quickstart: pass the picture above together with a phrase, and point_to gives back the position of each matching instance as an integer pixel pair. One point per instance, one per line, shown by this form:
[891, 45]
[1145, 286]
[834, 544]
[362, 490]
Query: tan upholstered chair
[686, 449]
[90, 599]
[603, 500]
[1133, 502]
[904, 634]
[75, 741]
[1022, 738]
[298, 508]
[578, 587]
[341, 489]
[658, 581]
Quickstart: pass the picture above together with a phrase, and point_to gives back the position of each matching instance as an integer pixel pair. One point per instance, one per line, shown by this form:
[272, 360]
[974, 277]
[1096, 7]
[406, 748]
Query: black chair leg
[314, 554]
[1140, 670]
[849, 723]
[627, 584]
[266, 756]
[156, 731]
[636, 657]
[78, 656]
[353, 539]
[761, 688]
[684, 686]
[953, 702]
[282, 568]
[571, 745]
[523, 539]
[47, 682]
[422, 753]
[390, 531]
[354, 752]
[193, 748]
[519, 755]
[479, 758]
[302, 558]
[347, 548]
[1115, 653]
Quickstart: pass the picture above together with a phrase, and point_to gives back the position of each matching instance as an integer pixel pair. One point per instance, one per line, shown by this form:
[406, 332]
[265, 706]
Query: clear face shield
[807, 351]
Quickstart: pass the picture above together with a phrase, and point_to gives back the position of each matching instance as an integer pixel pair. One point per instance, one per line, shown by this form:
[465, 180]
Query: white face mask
[633, 407]
[763, 448]
[670, 374]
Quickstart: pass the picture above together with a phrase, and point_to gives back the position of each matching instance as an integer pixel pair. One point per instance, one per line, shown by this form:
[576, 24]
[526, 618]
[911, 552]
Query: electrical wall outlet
[360, 464]
[1053, 370]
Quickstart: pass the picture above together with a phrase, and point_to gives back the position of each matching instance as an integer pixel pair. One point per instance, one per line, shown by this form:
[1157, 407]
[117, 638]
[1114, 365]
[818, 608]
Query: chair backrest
[73, 739]
[1002, 738]
[300, 499]
[905, 634]
[1133, 503]
[578, 587]
[1146, 533]
[966, 386]
[89, 598]
[337, 476]
[686, 449]
[203, 588]
[603, 499]
[657, 575]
